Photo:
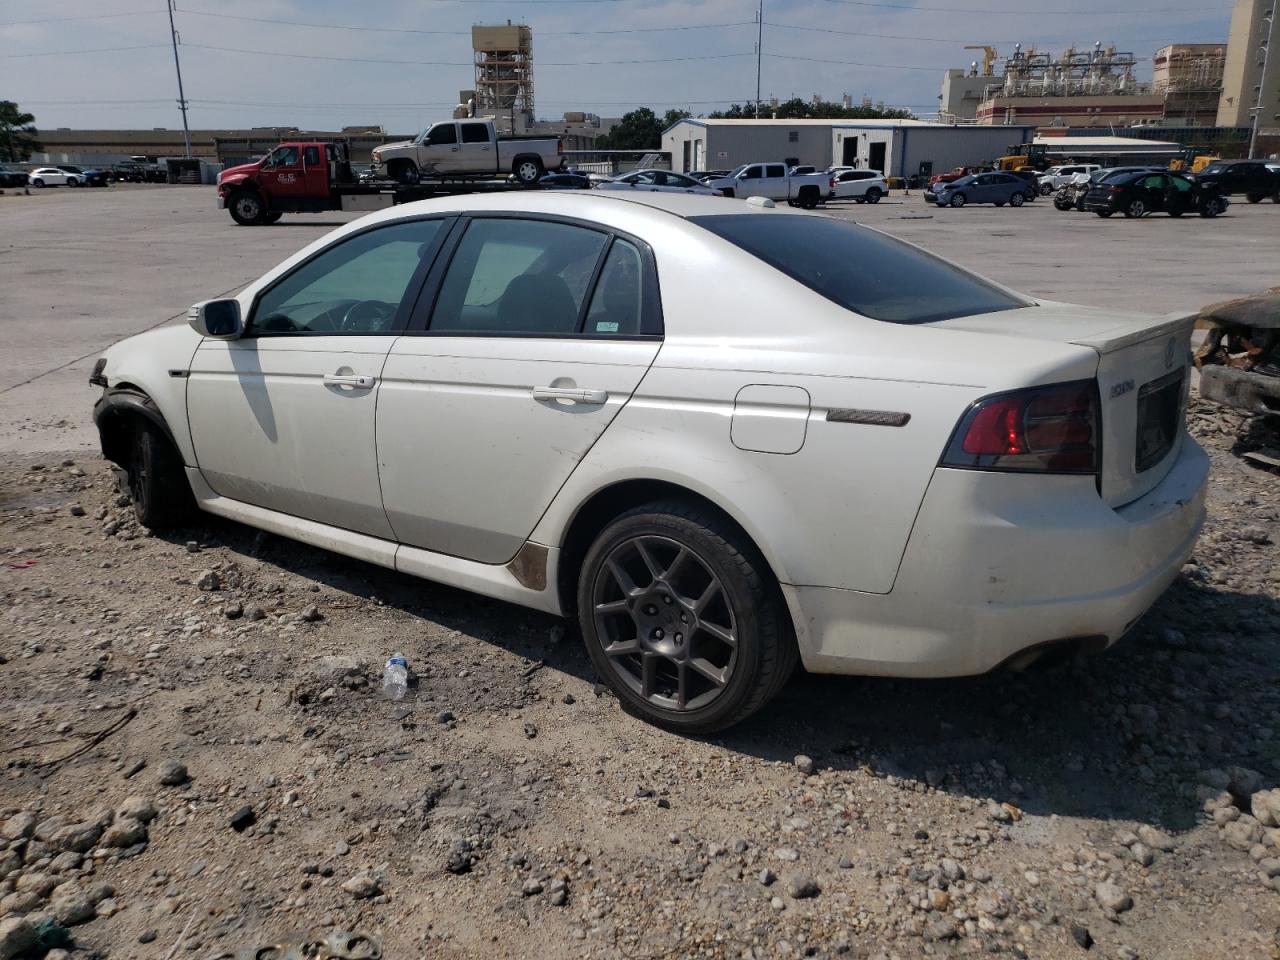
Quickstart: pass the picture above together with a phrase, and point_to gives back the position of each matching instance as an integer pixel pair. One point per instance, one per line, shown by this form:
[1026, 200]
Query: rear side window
[475, 133]
[860, 269]
[775, 170]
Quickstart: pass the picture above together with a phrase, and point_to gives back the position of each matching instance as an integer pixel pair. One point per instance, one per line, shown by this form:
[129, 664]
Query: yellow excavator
[1193, 164]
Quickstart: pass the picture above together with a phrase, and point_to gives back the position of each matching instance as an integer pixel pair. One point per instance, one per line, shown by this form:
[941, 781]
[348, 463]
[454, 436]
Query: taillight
[1113, 189]
[559, 146]
[831, 183]
[1053, 429]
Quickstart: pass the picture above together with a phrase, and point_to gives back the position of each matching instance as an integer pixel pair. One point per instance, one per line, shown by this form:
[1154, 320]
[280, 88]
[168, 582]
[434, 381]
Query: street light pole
[182, 98]
[759, 53]
[1262, 80]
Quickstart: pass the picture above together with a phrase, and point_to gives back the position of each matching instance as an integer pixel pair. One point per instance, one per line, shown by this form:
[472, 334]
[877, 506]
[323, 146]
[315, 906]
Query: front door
[539, 334]
[283, 418]
[283, 175]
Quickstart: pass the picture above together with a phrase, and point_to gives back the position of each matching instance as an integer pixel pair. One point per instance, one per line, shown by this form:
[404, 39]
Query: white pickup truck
[772, 180]
[467, 148]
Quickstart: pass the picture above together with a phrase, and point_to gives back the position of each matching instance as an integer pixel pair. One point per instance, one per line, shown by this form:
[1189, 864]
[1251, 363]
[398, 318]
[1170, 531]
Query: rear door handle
[349, 380]
[573, 394]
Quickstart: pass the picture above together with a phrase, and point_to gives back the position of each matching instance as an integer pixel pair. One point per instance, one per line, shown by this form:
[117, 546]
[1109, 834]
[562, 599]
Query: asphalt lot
[81, 269]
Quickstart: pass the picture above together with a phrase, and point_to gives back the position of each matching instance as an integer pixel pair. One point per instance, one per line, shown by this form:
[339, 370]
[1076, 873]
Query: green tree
[797, 109]
[639, 130]
[17, 133]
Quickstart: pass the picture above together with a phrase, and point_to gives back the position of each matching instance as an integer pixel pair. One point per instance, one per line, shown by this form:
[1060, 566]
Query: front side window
[475, 133]
[355, 286]
[445, 133]
[861, 270]
[518, 277]
[283, 157]
[753, 173]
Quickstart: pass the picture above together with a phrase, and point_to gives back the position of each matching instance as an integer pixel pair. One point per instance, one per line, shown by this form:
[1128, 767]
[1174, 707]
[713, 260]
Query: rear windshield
[860, 269]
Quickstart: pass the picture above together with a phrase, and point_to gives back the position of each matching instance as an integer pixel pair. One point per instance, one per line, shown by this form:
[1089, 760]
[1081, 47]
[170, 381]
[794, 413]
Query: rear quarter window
[860, 269]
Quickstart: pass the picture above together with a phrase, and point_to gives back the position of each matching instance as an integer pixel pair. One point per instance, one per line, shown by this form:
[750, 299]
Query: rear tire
[1017, 200]
[37, 182]
[527, 171]
[1104, 213]
[246, 208]
[1046, 189]
[1135, 209]
[873, 195]
[808, 198]
[1255, 197]
[157, 481]
[643, 666]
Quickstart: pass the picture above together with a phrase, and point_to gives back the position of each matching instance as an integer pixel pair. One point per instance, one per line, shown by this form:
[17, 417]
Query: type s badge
[1120, 389]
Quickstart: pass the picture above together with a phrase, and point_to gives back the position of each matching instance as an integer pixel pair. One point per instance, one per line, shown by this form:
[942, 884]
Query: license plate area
[1159, 412]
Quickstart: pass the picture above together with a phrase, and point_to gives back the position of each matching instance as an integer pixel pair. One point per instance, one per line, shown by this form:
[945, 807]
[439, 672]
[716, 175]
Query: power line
[450, 63]
[453, 33]
[87, 16]
[881, 36]
[69, 53]
[854, 63]
[1014, 11]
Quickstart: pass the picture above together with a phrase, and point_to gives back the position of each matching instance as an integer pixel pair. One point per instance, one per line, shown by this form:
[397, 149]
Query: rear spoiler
[1126, 333]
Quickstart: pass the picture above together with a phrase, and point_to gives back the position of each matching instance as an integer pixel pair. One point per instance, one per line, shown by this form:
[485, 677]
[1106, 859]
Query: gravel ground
[196, 760]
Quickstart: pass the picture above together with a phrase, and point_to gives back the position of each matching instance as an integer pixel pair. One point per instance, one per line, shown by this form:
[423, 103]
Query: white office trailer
[898, 148]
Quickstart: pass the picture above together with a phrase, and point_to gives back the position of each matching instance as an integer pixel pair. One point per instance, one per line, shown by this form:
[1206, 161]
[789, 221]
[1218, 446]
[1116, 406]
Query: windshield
[860, 269]
[735, 171]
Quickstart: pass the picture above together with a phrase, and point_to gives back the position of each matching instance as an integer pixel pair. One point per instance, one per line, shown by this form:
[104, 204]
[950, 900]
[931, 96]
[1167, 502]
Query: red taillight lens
[1052, 429]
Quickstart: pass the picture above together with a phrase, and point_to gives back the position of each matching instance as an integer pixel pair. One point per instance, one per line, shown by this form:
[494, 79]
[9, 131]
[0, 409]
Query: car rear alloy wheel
[1136, 208]
[1017, 200]
[958, 200]
[37, 182]
[873, 195]
[681, 618]
[528, 172]
[1046, 189]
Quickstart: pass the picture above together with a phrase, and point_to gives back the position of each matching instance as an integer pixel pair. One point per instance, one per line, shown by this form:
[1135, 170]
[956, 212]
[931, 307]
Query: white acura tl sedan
[725, 437]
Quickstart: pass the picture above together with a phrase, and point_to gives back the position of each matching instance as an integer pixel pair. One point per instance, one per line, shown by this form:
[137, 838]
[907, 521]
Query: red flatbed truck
[315, 176]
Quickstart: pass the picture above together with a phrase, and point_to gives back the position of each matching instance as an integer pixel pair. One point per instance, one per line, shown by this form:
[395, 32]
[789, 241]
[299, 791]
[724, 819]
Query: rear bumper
[1254, 392]
[998, 564]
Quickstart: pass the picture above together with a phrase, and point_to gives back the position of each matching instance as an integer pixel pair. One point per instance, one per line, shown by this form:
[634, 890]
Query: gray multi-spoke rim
[665, 623]
[248, 207]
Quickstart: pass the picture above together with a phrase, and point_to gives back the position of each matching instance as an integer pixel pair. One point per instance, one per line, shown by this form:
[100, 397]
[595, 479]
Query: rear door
[776, 184]
[476, 150]
[537, 333]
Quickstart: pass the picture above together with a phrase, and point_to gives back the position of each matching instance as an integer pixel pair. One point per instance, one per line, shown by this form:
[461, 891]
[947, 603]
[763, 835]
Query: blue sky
[890, 50]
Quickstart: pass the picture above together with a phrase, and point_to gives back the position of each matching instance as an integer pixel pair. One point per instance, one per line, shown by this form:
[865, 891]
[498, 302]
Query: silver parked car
[997, 188]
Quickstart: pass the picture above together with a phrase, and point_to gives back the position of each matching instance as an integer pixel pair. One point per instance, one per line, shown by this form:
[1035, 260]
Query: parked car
[1059, 176]
[862, 186]
[955, 174]
[53, 177]
[10, 177]
[771, 180]
[93, 177]
[661, 181]
[845, 451]
[1030, 177]
[1071, 195]
[468, 148]
[1252, 178]
[565, 181]
[997, 188]
[705, 175]
[1138, 194]
[801, 171]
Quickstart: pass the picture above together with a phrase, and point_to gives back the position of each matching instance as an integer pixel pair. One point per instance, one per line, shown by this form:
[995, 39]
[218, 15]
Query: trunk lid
[1143, 377]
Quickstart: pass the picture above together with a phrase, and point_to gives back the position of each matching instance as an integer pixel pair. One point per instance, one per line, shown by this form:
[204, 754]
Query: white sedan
[845, 452]
[863, 186]
[53, 177]
[657, 181]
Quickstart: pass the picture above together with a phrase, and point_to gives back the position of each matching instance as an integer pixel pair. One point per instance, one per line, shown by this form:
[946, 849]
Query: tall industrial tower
[504, 69]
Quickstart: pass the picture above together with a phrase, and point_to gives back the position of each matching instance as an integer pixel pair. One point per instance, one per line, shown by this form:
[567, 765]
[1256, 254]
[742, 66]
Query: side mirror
[217, 318]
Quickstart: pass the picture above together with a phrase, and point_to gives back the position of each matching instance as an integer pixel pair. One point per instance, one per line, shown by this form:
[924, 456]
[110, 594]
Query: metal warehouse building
[897, 147]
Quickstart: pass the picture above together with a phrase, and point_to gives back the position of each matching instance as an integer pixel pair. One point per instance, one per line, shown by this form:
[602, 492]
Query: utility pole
[1262, 79]
[182, 98]
[759, 53]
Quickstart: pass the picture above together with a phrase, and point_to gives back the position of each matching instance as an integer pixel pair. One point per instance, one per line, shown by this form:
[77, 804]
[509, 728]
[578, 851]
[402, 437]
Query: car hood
[243, 170]
[398, 145]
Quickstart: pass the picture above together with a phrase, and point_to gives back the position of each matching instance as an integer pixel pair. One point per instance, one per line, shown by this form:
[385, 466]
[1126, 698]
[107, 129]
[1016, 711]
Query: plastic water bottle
[395, 677]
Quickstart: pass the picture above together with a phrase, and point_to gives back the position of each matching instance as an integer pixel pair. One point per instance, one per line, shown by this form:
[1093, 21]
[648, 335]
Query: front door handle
[349, 380]
[572, 394]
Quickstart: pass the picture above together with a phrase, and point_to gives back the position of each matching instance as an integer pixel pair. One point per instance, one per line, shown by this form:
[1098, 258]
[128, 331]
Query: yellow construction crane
[988, 57]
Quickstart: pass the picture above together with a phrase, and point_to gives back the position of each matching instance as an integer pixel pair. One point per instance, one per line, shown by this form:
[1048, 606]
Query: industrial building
[1251, 77]
[1189, 77]
[896, 147]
